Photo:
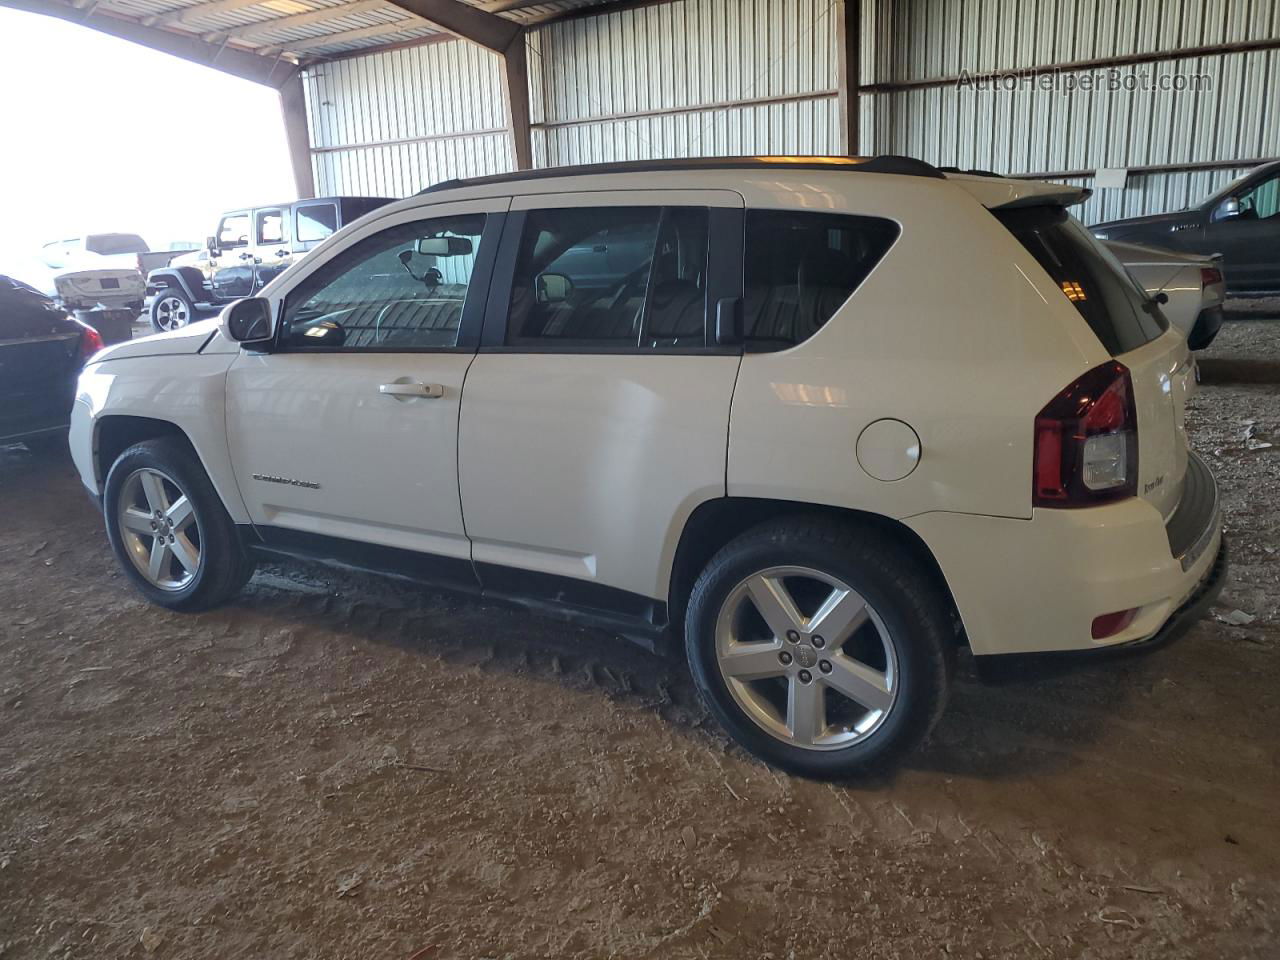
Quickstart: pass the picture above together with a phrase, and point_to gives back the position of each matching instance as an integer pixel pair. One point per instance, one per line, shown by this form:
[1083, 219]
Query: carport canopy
[272, 41]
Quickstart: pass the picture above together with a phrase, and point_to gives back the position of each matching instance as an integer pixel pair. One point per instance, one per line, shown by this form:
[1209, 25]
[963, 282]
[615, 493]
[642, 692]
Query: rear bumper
[1035, 586]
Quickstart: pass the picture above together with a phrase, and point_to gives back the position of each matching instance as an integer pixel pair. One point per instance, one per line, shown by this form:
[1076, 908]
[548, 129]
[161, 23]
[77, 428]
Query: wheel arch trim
[713, 523]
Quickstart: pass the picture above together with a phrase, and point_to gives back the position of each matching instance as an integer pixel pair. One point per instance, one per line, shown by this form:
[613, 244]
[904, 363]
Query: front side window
[316, 221]
[234, 231]
[401, 289]
[1261, 201]
[611, 277]
[270, 226]
[801, 267]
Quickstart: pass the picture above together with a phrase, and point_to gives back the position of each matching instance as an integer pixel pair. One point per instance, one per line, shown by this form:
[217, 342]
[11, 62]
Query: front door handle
[407, 391]
[282, 253]
[246, 256]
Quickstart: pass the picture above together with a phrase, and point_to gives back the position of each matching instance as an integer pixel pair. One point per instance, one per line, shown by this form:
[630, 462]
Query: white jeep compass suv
[823, 419]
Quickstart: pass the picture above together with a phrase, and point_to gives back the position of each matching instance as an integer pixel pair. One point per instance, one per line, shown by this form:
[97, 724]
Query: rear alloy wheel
[169, 529]
[820, 681]
[171, 310]
[823, 649]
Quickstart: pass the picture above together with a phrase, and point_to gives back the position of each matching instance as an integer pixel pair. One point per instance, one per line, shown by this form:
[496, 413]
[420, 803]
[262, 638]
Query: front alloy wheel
[169, 529]
[159, 529]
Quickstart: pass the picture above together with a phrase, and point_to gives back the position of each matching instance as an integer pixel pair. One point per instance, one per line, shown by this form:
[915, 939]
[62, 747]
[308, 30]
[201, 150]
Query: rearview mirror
[247, 321]
[553, 288]
[444, 246]
[1229, 208]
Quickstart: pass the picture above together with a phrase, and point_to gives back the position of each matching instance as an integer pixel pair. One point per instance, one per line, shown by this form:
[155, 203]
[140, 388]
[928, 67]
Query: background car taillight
[90, 343]
[1086, 442]
[1210, 275]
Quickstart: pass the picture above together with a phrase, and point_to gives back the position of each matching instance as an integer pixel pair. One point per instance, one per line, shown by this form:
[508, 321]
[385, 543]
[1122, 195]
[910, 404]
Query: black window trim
[725, 226]
[479, 291]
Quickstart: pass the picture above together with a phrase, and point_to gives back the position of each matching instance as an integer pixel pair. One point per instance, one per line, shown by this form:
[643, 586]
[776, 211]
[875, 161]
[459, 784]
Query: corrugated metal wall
[693, 78]
[1232, 115]
[719, 77]
[393, 123]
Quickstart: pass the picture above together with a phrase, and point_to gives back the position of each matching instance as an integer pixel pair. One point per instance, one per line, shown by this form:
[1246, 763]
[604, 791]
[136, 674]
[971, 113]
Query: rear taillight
[90, 343]
[1210, 275]
[1086, 442]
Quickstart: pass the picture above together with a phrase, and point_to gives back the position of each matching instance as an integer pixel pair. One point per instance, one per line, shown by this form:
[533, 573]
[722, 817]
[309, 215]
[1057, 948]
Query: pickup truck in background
[105, 250]
[104, 269]
[250, 248]
[1241, 222]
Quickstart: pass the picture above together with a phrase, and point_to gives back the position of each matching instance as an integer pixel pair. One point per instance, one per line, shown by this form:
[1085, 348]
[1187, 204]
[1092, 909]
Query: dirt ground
[336, 766]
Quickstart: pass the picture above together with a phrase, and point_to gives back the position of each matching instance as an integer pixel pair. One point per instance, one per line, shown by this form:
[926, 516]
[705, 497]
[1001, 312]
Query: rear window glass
[801, 267]
[316, 221]
[112, 244]
[1113, 304]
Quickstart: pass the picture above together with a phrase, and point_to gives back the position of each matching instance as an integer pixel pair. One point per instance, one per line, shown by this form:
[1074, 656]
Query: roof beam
[296, 20]
[462, 20]
[347, 36]
[198, 12]
[270, 71]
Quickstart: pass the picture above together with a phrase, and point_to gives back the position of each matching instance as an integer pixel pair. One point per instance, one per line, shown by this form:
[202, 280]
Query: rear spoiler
[995, 192]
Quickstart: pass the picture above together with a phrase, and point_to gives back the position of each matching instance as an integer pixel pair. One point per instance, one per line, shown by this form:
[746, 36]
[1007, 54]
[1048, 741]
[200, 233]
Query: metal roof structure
[295, 32]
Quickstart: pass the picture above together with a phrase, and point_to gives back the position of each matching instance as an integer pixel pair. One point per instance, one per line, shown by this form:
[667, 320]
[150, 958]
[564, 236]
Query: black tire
[177, 298]
[894, 584]
[224, 564]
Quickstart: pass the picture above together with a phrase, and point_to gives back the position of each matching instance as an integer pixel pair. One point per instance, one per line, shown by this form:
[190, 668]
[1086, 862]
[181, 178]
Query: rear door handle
[409, 390]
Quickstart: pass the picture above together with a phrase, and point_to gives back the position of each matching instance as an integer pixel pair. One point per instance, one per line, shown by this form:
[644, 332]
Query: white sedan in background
[1193, 284]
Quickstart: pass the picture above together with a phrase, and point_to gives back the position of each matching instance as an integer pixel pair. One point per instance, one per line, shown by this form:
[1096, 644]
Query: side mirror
[444, 247]
[247, 321]
[211, 244]
[553, 288]
[1161, 298]
[1228, 209]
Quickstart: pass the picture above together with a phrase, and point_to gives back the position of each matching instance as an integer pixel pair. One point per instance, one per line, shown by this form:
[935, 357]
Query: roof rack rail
[886, 163]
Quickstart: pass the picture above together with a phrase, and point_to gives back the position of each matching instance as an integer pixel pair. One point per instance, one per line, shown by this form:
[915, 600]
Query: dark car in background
[42, 349]
[250, 248]
[1241, 222]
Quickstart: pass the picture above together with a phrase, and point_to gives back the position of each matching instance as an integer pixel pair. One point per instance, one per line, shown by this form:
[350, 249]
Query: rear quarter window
[1116, 308]
[800, 268]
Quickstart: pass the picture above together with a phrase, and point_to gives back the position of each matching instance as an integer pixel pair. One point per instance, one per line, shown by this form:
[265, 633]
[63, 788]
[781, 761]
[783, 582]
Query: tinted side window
[801, 267]
[1096, 283]
[401, 289]
[316, 221]
[612, 277]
